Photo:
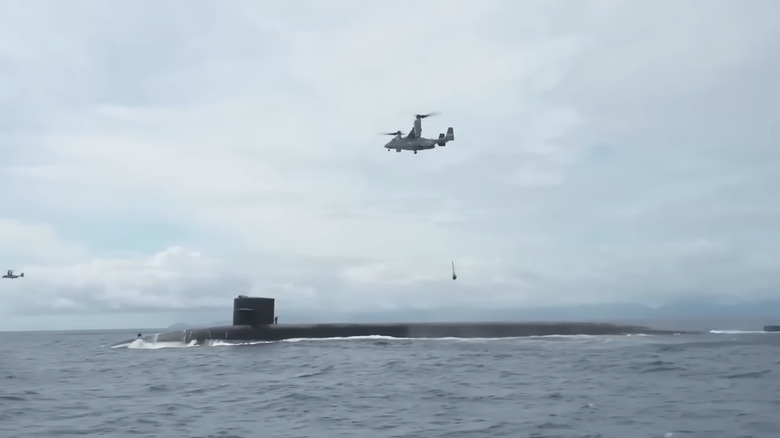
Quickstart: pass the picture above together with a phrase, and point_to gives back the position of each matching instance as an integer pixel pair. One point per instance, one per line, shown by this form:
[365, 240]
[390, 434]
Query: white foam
[153, 344]
[736, 332]
[222, 343]
[140, 344]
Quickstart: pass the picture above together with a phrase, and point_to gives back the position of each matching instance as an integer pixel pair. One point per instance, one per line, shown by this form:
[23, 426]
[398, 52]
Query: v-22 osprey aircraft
[414, 140]
[10, 274]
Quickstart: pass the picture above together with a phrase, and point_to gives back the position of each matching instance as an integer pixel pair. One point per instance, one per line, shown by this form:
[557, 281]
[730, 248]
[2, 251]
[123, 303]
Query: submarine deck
[275, 332]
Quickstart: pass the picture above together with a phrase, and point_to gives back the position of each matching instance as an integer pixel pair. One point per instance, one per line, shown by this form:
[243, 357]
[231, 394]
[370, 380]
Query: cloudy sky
[160, 158]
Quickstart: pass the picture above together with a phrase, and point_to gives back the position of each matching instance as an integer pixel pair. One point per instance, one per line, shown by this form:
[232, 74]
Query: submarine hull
[277, 332]
[254, 320]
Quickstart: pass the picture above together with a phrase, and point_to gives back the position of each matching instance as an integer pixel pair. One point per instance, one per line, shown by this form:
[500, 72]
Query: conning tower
[253, 311]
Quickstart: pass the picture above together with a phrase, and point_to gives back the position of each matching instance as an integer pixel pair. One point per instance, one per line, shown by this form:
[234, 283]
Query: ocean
[71, 384]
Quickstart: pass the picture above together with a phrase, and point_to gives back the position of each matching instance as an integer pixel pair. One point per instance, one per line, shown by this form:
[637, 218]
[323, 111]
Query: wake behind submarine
[254, 320]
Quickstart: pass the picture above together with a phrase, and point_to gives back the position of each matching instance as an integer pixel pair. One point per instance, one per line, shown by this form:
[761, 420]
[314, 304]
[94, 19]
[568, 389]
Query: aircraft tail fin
[444, 138]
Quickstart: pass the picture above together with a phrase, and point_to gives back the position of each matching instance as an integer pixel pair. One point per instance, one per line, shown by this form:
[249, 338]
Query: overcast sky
[164, 156]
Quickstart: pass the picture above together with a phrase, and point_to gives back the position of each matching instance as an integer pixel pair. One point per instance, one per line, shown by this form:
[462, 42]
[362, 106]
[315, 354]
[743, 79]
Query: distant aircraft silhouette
[10, 274]
[454, 277]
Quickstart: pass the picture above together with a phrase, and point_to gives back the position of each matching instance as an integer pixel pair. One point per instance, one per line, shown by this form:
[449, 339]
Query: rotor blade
[422, 116]
[391, 133]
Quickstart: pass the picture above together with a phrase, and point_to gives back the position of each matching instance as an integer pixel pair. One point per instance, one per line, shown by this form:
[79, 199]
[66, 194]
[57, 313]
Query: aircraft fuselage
[414, 141]
[10, 274]
[415, 144]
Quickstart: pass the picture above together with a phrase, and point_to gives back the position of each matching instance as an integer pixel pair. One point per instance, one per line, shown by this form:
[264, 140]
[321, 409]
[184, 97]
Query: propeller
[392, 133]
[422, 116]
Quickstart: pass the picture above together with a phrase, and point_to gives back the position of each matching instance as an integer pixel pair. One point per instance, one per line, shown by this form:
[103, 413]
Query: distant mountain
[184, 325]
[693, 308]
[683, 309]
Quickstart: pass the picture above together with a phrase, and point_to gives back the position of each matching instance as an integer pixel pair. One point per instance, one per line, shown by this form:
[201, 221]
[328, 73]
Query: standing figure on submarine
[454, 277]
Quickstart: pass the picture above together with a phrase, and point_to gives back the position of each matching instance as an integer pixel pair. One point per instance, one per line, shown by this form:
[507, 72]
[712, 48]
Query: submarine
[254, 320]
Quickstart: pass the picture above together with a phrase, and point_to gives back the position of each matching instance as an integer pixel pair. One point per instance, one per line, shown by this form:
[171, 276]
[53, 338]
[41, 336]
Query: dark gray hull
[254, 320]
[276, 332]
[772, 328]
